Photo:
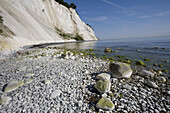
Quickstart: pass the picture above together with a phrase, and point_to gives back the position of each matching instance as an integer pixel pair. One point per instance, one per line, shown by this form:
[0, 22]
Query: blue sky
[125, 18]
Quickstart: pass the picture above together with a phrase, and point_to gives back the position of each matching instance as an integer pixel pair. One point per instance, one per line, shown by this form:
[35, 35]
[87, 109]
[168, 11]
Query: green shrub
[1, 19]
[89, 26]
[72, 5]
[78, 38]
[66, 4]
[57, 30]
[1, 31]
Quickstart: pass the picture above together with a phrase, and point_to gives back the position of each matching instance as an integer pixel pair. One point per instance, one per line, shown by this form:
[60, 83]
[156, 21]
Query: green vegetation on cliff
[1, 19]
[72, 5]
[68, 36]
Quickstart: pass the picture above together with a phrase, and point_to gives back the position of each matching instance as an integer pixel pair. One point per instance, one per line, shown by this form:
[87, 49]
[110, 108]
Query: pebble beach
[52, 80]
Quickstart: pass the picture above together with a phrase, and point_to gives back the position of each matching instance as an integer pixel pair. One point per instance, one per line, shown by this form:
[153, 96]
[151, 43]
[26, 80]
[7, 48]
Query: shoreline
[74, 78]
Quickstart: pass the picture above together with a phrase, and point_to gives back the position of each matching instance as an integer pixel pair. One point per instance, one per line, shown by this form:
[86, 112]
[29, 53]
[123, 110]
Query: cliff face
[27, 22]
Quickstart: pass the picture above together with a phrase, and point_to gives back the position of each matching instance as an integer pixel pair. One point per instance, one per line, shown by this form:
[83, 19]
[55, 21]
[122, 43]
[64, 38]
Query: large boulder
[120, 70]
[103, 86]
[105, 104]
[12, 85]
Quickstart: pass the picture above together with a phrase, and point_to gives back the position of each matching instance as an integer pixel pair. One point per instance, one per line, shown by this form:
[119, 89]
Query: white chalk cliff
[28, 22]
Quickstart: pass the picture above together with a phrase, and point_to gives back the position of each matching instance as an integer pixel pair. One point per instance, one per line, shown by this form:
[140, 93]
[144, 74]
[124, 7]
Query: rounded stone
[160, 78]
[104, 95]
[12, 85]
[29, 75]
[5, 100]
[103, 86]
[56, 93]
[168, 93]
[127, 86]
[146, 74]
[46, 81]
[151, 84]
[103, 76]
[105, 104]
[120, 70]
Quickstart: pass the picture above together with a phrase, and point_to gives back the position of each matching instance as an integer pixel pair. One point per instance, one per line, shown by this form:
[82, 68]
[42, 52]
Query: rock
[103, 76]
[28, 81]
[127, 86]
[104, 95]
[147, 74]
[160, 73]
[29, 75]
[81, 54]
[46, 81]
[140, 63]
[12, 85]
[160, 78]
[151, 84]
[155, 64]
[138, 50]
[63, 55]
[103, 86]
[146, 59]
[156, 111]
[101, 111]
[56, 93]
[120, 70]
[73, 78]
[108, 50]
[67, 57]
[105, 104]
[72, 57]
[166, 61]
[156, 47]
[5, 100]
[86, 72]
[168, 93]
[80, 103]
[69, 53]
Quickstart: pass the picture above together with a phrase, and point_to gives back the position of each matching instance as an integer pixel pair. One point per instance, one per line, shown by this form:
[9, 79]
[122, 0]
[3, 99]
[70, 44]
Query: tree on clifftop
[72, 5]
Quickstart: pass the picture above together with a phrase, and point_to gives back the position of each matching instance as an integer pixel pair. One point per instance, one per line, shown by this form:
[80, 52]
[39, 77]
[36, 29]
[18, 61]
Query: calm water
[129, 47]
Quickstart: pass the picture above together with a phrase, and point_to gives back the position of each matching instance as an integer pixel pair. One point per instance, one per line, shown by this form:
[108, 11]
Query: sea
[156, 49]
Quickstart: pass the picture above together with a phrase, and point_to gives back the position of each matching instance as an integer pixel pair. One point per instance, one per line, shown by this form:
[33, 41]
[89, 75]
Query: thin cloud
[100, 18]
[163, 13]
[129, 12]
[143, 17]
[113, 4]
[126, 11]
